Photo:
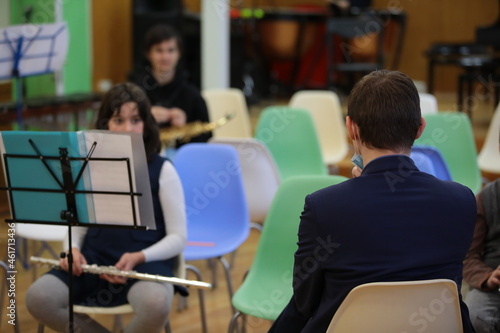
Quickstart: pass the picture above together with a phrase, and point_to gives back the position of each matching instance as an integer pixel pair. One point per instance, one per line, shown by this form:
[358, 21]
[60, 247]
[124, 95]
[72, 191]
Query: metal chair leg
[256, 226]
[232, 258]
[233, 322]
[201, 296]
[213, 268]
[118, 324]
[227, 271]
[460, 101]
[470, 85]
[168, 329]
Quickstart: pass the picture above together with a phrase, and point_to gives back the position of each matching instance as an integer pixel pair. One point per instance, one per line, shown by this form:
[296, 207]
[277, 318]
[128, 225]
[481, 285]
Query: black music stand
[29, 50]
[67, 180]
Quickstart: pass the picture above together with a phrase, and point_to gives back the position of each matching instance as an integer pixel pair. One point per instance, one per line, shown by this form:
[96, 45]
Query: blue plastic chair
[429, 159]
[216, 208]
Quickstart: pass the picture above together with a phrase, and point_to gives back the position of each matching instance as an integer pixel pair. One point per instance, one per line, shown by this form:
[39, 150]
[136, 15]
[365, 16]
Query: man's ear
[421, 128]
[352, 129]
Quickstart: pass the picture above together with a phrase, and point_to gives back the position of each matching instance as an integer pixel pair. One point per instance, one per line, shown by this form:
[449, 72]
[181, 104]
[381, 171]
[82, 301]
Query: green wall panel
[77, 69]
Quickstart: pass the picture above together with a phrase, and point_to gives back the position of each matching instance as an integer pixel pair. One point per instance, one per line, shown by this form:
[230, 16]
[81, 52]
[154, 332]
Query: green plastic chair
[267, 288]
[451, 133]
[291, 137]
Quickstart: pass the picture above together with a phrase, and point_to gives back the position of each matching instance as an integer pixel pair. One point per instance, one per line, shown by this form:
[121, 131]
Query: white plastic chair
[428, 103]
[220, 102]
[324, 106]
[382, 307]
[489, 157]
[261, 177]
[42, 233]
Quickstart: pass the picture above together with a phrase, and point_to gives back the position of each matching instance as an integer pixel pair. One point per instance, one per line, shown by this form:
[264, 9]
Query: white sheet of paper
[44, 48]
[114, 176]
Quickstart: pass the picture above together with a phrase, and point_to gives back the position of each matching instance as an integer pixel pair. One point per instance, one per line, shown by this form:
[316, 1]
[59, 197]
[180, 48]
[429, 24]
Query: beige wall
[112, 40]
[440, 21]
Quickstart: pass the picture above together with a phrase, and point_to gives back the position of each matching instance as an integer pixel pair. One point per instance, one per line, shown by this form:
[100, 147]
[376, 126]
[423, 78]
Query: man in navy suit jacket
[391, 222]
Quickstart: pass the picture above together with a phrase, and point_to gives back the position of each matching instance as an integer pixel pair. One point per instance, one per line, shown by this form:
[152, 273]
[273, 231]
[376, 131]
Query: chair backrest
[272, 267]
[324, 106]
[489, 157]
[42, 232]
[221, 102]
[430, 306]
[429, 159]
[423, 162]
[291, 137]
[428, 103]
[261, 177]
[213, 190]
[451, 133]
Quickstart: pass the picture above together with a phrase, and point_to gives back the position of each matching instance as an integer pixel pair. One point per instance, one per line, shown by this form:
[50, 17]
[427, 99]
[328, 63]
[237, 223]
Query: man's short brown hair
[386, 107]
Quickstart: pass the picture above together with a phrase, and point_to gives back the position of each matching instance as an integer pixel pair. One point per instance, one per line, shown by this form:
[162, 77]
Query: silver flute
[111, 270]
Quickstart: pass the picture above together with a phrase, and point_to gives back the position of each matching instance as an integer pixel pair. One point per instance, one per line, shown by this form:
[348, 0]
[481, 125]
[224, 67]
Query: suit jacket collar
[388, 163]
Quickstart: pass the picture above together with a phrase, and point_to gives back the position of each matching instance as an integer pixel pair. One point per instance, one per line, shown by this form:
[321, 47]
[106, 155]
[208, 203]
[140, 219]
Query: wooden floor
[217, 301]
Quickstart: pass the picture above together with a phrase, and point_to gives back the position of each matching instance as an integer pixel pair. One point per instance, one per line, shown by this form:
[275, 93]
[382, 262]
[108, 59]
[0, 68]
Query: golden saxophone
[184, 133]
[111, 270]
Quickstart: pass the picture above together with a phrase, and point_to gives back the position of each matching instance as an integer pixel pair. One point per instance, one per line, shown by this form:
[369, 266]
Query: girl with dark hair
[174, 100]
[125, 108]
[118, 97]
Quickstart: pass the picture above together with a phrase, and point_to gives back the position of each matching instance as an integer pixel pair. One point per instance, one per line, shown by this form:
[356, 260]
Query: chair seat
[358, 67]
[206, 244]
[114, 310]
[49, 233]
[445, 52]
[262, 295]
[477, 61]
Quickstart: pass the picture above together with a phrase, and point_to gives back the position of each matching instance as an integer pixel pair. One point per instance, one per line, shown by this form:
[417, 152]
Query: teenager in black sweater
[175, 102]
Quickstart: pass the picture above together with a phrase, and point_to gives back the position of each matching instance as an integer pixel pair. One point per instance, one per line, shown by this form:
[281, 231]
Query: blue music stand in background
[28, 50]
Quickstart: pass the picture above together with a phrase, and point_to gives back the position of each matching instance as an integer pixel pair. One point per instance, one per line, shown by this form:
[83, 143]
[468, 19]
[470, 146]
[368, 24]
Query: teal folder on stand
[109, 182]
